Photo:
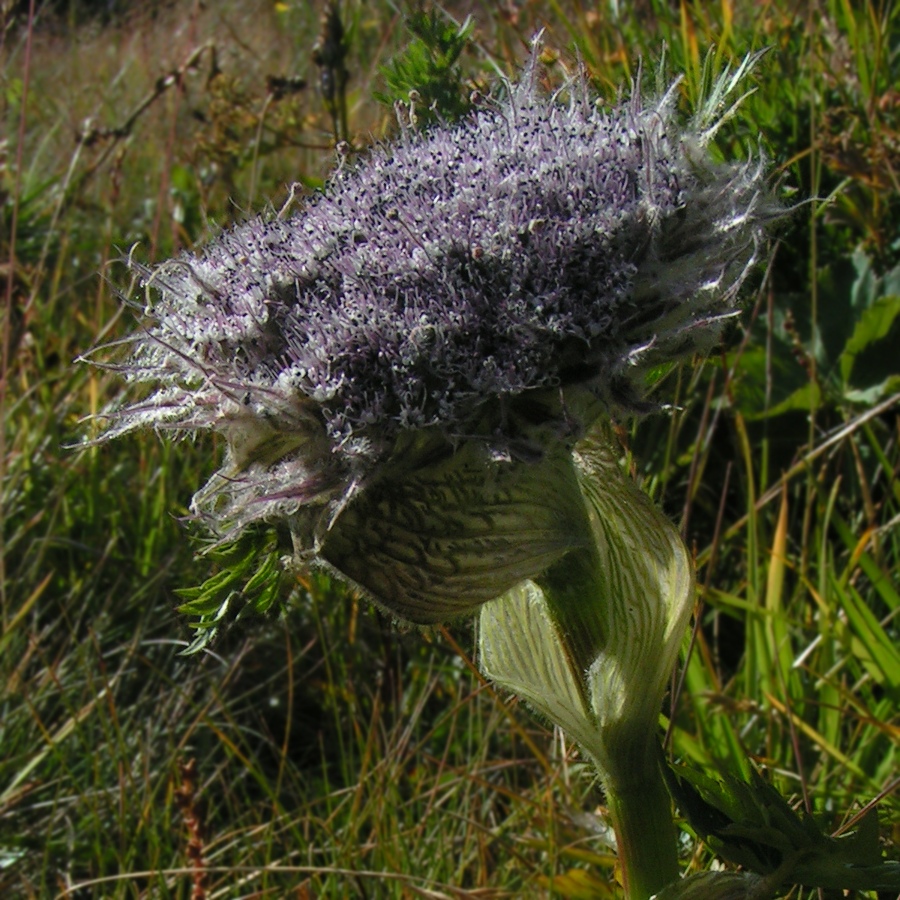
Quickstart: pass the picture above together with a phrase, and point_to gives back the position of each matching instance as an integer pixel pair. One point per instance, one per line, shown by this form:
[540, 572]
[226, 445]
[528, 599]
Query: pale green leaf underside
[521, 650]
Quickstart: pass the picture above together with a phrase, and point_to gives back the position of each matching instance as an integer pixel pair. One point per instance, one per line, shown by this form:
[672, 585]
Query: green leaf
[251, 580]
[874, 394]
[866, 284]
[521, 649]
[751, 825]
[592, 642]
[771, 382]
[875, 324]
[805, 398]
[206, 593]
[880, 580]
[869, 642]
[428, 66]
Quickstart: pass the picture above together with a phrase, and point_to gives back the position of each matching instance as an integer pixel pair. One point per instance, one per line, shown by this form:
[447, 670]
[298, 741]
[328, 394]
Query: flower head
[471, 298]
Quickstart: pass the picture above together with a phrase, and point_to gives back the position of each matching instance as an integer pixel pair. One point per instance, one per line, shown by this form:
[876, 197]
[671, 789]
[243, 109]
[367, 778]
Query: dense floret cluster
[541, 243]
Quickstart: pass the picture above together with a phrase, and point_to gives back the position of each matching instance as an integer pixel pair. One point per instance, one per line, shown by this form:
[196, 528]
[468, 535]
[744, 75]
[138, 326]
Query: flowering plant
[416, 374]
[481, 292]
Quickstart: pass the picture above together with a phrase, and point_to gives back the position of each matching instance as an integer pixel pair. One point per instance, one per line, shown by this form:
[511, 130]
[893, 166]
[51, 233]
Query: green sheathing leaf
[437, 537]
[591, 645]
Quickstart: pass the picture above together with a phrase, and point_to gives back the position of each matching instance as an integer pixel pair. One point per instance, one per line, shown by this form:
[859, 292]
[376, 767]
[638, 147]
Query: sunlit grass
[335, 756]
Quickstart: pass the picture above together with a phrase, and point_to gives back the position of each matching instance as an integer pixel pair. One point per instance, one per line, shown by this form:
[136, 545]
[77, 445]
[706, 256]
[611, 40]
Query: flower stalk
[640, 812]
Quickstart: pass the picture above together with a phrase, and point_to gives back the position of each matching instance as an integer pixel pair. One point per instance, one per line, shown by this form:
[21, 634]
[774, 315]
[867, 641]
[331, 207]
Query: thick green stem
[641, 815]
[623, 744]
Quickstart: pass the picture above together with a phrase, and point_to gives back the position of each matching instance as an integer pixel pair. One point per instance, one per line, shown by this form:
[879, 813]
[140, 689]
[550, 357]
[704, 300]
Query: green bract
[591, 644]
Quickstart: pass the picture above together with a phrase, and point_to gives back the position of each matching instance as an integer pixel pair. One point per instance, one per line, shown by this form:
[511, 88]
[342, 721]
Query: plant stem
[641, 814]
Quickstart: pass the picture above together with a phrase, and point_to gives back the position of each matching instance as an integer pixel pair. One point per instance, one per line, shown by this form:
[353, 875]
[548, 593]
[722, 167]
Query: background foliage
[317, 751]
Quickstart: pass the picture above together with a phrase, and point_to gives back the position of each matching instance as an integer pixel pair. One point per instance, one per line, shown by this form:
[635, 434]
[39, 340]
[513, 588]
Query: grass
[332, 755]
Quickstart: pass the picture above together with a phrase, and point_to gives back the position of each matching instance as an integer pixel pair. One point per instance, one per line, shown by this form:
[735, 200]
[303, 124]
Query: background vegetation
[318, 752]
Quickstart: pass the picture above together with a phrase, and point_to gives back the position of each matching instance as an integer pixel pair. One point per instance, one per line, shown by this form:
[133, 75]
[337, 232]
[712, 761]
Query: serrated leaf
[264, 575]
[213, 585]
[265, 600]
[207, 604]
[251, 581]
[189, 594]
[751, 825]
[211, 607]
